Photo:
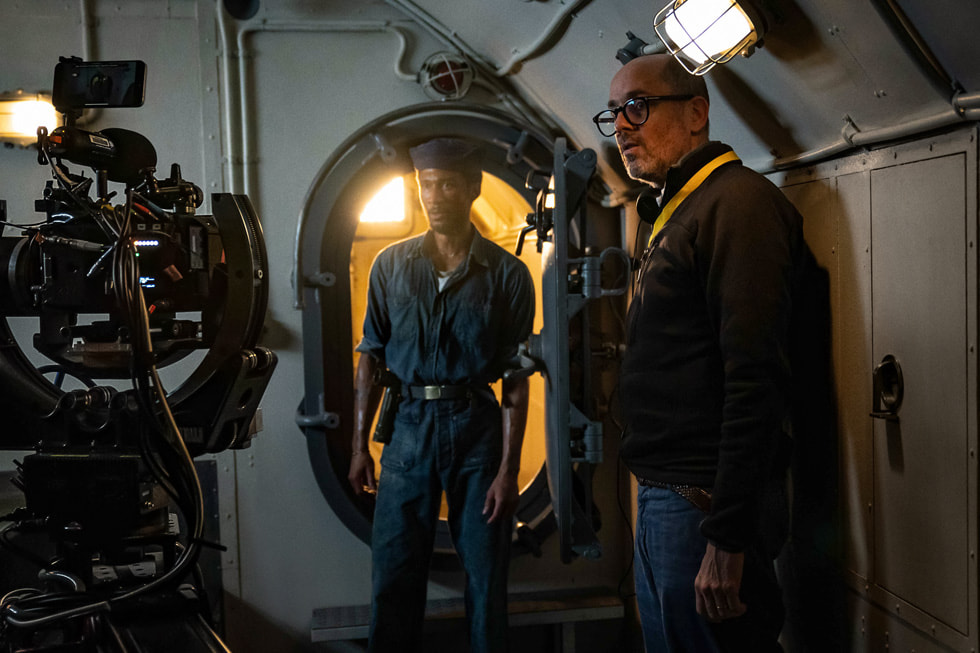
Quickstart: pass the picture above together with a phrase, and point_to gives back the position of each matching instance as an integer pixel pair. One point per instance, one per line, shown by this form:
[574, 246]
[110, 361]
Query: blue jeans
[669, 550]
[451, 446]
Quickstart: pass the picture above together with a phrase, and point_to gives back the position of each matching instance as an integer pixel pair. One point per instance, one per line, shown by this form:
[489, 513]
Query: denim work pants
[455, 446]
[669, 550]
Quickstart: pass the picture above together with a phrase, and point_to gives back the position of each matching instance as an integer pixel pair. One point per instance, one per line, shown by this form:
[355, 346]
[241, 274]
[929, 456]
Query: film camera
[120, 286]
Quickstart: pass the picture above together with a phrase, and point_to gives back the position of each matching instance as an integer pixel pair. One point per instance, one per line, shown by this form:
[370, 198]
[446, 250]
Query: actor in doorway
[446, 313]
[706, 375]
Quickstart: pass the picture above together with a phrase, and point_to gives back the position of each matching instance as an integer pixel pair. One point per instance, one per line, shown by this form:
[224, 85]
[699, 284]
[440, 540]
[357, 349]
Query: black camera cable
[183, 485]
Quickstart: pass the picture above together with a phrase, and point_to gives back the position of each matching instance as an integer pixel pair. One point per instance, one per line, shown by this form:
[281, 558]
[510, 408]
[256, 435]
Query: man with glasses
[705, 376]
[446, 313]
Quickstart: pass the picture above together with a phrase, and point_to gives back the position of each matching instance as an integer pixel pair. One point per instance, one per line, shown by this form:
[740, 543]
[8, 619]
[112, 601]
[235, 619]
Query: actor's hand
[717, 584]
[502, 497]
[361, 474]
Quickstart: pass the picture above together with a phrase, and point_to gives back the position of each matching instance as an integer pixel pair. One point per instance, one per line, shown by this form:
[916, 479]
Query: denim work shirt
[464, 334]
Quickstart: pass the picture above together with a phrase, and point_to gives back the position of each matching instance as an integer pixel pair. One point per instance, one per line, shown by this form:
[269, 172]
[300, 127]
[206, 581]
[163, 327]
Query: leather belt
[697, 496]
[430, 392]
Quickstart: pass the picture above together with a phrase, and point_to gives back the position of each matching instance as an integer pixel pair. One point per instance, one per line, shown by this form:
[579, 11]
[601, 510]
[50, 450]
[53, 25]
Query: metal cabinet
[897, 229]
[923, 301]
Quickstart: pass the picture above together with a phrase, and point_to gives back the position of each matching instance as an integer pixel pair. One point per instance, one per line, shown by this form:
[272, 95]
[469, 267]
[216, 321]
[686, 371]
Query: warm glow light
[19, 119]
[387, 205]
[705, 32]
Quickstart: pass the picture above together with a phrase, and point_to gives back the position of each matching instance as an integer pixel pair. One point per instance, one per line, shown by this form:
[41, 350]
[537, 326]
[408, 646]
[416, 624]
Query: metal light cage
[702, 33]
[446, 76]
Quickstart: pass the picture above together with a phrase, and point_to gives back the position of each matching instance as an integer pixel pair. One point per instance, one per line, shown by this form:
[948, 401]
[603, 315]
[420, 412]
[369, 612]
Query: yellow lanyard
[686, 190]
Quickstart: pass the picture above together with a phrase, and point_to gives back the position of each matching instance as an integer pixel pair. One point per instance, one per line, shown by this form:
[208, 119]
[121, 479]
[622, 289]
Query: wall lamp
[702, 33]
[22, 113]
[445, 76]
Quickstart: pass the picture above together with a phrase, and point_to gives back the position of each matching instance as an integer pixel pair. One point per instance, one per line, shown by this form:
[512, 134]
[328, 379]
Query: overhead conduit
[964, 107]
[238, 129]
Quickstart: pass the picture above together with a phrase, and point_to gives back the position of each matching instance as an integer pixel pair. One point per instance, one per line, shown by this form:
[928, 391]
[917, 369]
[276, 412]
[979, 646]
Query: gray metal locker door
[921, 309]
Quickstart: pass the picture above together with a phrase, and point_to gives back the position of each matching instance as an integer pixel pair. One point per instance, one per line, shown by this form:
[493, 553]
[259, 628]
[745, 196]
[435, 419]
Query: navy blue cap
[448, 154]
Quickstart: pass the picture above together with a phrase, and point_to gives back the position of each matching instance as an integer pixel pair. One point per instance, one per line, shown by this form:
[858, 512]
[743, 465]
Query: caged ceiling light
[445, 76]
[702, 33]
[22, 113]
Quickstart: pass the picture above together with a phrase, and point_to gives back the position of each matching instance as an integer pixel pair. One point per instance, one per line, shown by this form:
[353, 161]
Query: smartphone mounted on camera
[79, 84]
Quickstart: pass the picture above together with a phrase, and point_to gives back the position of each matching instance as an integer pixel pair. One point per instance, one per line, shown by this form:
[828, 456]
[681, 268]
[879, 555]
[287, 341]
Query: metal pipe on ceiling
[522, 55]
[488, 79]
[852, 138]
[89, 24]
[231, 117]
[291, 26]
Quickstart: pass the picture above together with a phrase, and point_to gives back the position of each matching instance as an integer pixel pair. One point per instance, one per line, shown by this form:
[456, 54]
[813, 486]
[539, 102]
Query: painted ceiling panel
[950, 29]
[828, 66]
[503, 30]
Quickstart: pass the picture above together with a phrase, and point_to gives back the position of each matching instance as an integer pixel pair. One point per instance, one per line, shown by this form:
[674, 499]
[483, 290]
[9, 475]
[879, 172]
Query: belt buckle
[432, 392]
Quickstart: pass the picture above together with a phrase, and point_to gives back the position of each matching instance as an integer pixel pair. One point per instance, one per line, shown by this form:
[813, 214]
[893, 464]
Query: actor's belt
[431, 392]
[697, 496]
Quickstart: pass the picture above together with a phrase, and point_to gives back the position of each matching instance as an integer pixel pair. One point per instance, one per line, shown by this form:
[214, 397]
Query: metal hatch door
[568, 283]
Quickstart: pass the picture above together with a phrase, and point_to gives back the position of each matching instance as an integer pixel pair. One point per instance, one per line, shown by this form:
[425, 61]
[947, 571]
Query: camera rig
[119, 291]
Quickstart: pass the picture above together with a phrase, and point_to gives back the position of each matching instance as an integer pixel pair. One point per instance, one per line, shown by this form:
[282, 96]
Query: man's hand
[361, 474]
[717, 584]
[502, 497]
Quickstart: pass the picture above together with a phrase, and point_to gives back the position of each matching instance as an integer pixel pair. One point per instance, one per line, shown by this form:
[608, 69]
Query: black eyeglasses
[636, 110]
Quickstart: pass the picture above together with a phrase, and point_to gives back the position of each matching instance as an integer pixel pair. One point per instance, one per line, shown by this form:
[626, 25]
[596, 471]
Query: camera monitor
[79, 84]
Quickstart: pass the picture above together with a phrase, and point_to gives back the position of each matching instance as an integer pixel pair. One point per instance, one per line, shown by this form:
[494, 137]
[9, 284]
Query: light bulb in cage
[702, 33]
[446, 76]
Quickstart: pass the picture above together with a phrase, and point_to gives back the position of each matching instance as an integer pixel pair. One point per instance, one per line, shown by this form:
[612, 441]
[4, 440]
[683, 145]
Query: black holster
[389, 406]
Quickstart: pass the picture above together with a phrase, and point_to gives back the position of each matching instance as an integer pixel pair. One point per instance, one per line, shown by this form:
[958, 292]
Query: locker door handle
[889, 388]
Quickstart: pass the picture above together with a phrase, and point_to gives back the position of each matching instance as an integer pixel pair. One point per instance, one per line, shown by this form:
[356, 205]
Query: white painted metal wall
[258, 107]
